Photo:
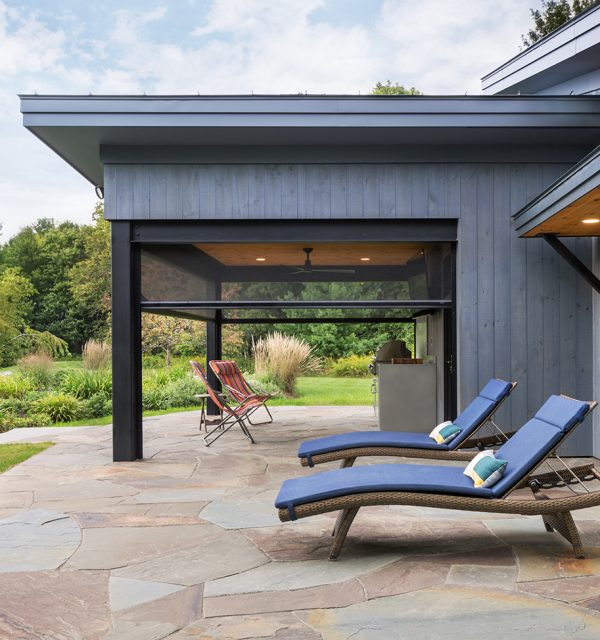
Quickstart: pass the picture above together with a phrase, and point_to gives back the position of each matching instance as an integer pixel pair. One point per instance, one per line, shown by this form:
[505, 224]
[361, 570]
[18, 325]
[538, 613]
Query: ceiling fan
[308, 268]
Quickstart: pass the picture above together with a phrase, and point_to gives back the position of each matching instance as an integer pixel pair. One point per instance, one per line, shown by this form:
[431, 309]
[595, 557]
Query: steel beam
[587, 274]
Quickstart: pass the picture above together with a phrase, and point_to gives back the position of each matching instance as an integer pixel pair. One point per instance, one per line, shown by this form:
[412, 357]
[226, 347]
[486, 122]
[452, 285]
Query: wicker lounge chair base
[348, 447]
[349, 456]
[555, 512]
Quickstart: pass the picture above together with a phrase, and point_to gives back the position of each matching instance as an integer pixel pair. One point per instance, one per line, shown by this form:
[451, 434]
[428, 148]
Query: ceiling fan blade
[334, 270]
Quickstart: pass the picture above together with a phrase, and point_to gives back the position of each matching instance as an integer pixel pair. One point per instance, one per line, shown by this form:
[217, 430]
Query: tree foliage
[389, 89]
[89, 280]
[16, 337]
[552, 15]
[68, 266]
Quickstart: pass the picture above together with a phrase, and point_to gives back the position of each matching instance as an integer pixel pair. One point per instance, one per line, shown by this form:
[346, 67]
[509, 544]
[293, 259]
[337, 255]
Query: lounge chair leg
[345, 520]
[548, 526]
[564, 524]
[561, 522]
[347, 462]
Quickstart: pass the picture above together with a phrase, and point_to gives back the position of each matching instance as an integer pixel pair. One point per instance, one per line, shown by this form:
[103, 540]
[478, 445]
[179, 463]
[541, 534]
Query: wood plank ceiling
[323, 254]
[569, 221]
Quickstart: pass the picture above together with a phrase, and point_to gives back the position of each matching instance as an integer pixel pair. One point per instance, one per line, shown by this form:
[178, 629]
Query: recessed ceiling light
[590, 220]
[260, 259]
[365, 259]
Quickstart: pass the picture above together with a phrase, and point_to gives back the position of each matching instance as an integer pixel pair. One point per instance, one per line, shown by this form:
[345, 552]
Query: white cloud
[237, 46]
[445, 47]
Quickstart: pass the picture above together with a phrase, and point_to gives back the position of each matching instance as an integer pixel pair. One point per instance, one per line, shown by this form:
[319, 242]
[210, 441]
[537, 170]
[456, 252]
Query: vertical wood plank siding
[523, 314]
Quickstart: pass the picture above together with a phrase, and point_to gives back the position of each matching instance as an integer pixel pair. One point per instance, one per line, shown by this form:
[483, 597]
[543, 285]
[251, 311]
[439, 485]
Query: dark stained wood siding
[523, 314]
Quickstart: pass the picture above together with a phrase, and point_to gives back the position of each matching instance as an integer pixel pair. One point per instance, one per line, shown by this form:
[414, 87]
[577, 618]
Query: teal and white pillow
[445, 432]
[485, 469]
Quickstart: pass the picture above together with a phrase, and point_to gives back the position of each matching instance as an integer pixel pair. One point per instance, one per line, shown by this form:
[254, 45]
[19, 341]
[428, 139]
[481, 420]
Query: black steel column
[214, 351]
[126, 345]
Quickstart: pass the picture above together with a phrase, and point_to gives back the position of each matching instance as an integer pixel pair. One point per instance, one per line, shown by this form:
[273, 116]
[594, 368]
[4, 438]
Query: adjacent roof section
[76, 127]
[565, 61]
[568, 207]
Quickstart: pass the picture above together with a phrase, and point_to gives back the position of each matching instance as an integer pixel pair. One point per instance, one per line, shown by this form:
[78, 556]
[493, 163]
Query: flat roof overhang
[571, 50]
[561, 209]
[78, 128]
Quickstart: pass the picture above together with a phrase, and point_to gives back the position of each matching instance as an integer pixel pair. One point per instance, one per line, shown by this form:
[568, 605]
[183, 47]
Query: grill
[387, 352]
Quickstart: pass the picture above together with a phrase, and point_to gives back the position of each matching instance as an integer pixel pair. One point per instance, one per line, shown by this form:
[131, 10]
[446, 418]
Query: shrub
[96, 355]
[263, 387]
[39, 368]
[15, 386]
[180, 393]
[9, 420]
[17, 406]
[96, 406]
[154, 398]
[351, 367]
[85, 383]
[60, 407]
[281, 359]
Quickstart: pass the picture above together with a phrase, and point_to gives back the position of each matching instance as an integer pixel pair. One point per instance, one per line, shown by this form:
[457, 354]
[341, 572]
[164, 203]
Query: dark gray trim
[126, 345]
[321, 320]
[296, 304]
[408, 230]
[347, 154]
[587, 274]
[571, 186]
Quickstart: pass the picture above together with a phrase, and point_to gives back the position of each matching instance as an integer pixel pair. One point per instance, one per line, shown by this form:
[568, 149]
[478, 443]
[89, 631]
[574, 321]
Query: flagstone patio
[187, 544]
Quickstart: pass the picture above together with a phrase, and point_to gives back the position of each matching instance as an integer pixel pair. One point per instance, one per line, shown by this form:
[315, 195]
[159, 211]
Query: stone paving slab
[54, 605]
[111, 548]
[214, 554]
[36, 540]
[283, 626]
[125, 593]
[240, 515]
[340, 594]
[468, 614]
[296, 575]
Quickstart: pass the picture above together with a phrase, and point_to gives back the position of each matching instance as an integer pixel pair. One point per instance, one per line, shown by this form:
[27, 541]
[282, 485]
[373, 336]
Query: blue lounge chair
[347, 490]
[349, 446]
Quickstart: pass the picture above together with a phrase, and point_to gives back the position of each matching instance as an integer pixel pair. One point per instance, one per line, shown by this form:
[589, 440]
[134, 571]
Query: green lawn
[311, 392]
[12, 454]
[327, 391]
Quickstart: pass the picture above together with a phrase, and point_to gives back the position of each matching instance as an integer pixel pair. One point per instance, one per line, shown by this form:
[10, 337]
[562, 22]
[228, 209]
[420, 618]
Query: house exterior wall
[522, 312]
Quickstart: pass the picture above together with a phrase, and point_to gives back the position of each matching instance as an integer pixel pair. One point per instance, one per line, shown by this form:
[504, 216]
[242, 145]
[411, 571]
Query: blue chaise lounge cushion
[376, 477]
[472, 416]
[537, 438]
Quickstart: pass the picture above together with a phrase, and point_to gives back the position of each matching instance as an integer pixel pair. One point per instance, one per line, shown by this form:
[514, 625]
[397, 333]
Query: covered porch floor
[186, 544]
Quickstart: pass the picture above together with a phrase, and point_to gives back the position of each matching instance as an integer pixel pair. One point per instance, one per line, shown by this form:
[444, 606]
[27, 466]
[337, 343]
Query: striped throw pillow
[445, 432]
[485, 469]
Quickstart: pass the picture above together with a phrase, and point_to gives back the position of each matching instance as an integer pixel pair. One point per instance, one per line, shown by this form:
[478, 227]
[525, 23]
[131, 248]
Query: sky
[222, 47]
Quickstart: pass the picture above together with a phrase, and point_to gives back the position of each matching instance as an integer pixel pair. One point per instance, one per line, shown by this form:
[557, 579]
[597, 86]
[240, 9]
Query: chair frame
[348, 456]
[238, 395]
[555, 512]
[231, 415]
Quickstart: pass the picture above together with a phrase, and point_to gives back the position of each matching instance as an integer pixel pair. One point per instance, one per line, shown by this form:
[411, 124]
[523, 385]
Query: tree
[553, 14]
[389, 89]
[90, 279]
[164, 333]
[16, 337]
